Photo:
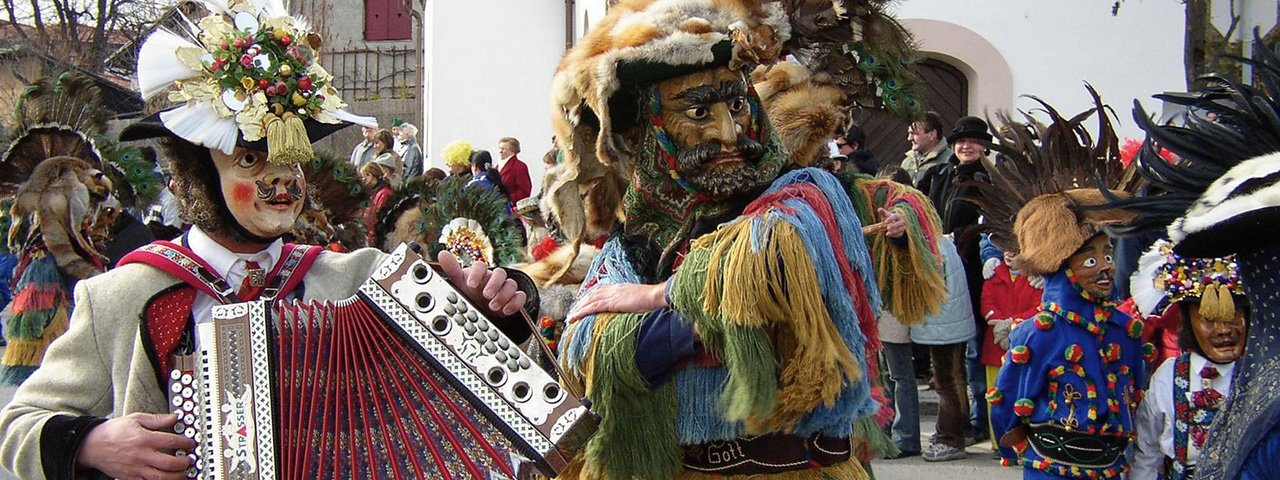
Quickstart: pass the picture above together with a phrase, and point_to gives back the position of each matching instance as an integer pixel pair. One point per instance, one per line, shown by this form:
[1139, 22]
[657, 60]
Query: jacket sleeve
[52, 411]
[992, 290]
[1148, 459]
[523, 185]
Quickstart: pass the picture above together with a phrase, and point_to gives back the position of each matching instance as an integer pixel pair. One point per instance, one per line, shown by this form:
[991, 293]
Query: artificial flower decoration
[248, 72]
[466, 239]
[1164, 277]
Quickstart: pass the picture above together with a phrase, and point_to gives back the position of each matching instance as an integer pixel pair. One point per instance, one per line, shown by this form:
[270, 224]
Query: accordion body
[406, 379]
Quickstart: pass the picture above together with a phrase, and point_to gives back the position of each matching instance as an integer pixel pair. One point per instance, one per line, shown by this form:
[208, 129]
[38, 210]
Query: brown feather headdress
[1043, 200]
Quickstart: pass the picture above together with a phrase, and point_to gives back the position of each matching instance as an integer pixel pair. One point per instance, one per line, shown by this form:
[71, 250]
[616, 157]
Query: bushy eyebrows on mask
[706, 94]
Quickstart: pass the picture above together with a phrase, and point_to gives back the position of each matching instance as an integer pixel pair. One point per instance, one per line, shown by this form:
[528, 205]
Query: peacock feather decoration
[477, 218]
[335, 199]
[865, 51]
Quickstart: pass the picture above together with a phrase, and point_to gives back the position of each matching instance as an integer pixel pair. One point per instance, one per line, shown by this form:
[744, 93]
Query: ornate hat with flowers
[247, 75]
[1165, 276]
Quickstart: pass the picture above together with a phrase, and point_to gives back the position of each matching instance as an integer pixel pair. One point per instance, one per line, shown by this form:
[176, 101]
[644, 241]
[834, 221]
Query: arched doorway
[943, 89]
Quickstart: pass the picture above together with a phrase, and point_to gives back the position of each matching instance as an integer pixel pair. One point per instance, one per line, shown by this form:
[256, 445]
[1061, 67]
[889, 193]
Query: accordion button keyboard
[492, 332]
[490, 348]
[449, 310]
[451, 297]
[503, 343]
[512, 365]
[174, 375]
[470, 328]
[524, 362]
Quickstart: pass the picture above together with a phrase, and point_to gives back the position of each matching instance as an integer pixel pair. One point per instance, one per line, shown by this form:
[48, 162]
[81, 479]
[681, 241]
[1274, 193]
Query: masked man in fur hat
[251, 101]
[1188, 391]
[1063, 402]
[723, 329]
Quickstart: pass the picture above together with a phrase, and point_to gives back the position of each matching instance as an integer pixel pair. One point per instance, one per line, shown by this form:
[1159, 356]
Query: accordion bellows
[404, 380]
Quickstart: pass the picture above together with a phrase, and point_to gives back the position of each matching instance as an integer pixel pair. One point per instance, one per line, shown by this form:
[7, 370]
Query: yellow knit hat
[457, 154]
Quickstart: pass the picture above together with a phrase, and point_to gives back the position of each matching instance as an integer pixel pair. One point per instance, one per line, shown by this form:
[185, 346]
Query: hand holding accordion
[407, 379]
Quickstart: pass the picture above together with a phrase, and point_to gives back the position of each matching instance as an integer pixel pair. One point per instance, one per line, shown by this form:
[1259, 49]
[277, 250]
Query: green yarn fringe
[637, 434]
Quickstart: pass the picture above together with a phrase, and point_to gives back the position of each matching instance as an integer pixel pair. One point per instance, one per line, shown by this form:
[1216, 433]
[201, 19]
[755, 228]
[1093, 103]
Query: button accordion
[407, 379]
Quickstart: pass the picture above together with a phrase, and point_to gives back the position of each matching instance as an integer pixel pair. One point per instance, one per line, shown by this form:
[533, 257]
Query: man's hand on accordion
[136, 446]
[489, 288]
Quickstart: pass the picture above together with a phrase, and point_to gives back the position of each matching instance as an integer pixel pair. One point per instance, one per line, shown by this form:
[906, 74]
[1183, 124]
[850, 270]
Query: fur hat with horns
[1043, 202]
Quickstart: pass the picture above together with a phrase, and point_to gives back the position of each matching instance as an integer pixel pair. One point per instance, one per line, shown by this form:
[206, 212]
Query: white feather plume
[158, 64]
[197, 122]
[1142, 283]
[361, 120]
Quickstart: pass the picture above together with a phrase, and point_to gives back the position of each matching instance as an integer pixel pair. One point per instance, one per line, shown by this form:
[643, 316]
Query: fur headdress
[805, 108]
[246, 74]
[1042, 202]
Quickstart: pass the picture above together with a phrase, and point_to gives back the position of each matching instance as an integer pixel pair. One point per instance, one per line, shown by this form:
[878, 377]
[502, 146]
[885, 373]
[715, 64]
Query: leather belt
[1071, 447]
[773, 453]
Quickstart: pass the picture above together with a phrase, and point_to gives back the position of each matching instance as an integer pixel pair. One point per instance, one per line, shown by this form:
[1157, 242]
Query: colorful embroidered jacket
[1076, 366]
[772, 357]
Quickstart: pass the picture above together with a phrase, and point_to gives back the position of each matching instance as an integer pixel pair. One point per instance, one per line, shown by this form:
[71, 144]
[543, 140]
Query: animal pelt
[60, 196]
[805, 109]
[555, 300]
[565, 266]
[1051, 227]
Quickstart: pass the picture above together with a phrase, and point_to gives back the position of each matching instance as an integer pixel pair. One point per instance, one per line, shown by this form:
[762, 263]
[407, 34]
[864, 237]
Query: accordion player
[406, 379]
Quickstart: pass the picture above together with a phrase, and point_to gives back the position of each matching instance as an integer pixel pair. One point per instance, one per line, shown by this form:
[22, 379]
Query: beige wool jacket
[100, 367]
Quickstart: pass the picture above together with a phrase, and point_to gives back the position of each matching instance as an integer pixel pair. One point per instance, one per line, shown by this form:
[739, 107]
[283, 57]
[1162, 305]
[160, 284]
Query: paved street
[978, 465]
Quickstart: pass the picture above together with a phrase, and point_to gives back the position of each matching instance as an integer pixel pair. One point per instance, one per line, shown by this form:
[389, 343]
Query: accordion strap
[186, 266]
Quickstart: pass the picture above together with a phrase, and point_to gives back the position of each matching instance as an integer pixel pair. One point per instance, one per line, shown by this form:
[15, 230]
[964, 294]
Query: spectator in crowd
[410, 152]
[850, 144]
[944, 334]
[483, 174]
[515, 174]
[386, 156]
[396, 125]
[373, 177]
[949, 186]
[928, 148]
[1008, 296]
[457, 156]
[433, 175]
[364, 151]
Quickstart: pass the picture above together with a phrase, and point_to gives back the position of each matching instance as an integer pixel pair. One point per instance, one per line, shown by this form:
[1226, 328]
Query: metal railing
[374, 73]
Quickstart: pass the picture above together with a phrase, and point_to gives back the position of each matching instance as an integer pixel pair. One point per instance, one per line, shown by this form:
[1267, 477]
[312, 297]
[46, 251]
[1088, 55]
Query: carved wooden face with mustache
[1094, 266]
[707, 115]
[264, 198]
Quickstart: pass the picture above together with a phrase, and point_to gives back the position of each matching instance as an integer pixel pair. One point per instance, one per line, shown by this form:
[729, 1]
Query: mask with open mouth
[1094, 268]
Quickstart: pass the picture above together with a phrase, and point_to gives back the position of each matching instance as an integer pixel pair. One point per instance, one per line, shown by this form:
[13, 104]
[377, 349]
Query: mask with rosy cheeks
[1094, 266]
[707, 115]
[264, 198]
[1220, 340]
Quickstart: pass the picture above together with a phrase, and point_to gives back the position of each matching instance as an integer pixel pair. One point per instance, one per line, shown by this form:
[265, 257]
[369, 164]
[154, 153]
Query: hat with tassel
[1214, 282]
[246, 74]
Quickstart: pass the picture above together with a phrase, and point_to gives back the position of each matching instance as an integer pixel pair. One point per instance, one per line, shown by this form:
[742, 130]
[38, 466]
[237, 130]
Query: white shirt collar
[230, 265]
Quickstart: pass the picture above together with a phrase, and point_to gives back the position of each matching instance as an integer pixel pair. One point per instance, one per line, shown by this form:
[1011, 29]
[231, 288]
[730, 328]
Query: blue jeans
[977, 375]
[906, 399]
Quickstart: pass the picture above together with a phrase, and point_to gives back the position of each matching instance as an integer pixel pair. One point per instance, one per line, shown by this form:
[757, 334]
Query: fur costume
[1221, 199]
[64, 190]
[725, 283]
[1053, 395]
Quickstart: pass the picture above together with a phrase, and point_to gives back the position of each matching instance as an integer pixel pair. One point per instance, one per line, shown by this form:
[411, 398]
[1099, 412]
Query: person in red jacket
[1008, 297]
[515, 174]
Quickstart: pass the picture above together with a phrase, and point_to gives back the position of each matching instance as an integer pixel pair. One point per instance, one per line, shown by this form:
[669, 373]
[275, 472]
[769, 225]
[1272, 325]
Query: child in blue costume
[1063, 403]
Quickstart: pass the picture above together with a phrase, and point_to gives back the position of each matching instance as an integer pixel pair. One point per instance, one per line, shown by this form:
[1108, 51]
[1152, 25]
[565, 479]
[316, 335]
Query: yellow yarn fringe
[776, 287]
[850, 470]
[287, 141]
[29, 353]
[910, 277]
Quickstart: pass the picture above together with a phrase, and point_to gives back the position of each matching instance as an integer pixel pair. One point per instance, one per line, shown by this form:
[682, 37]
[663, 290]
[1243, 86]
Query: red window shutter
[384, 20]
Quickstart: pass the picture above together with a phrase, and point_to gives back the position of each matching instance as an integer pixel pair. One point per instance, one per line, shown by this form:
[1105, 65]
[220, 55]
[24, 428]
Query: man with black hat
[251, 101]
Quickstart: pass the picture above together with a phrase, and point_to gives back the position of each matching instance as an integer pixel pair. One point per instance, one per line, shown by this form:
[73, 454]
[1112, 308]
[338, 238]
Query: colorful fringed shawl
[36, 316]
[780, 298]
[910, 275]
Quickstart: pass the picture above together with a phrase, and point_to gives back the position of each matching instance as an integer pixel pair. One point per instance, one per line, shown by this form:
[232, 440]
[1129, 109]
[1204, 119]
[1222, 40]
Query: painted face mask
[1094, 268]
[264, 198]
[1221, 340]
